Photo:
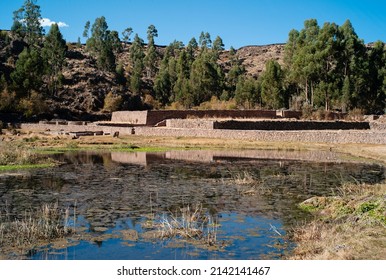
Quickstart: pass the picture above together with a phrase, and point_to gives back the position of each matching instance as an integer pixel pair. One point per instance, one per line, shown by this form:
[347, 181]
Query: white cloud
[46, 22]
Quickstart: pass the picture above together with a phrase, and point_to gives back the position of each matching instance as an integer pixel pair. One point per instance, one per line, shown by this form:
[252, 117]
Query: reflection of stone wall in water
[139, 158]
[144, 158]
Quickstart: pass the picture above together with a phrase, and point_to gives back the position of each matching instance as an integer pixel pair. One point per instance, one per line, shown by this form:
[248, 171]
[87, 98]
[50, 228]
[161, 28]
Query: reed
[189, 223]
[16, 155]
[45, 224]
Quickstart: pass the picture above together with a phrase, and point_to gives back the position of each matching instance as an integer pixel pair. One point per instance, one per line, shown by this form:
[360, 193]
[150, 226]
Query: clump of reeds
[16, 154]
[244, 178]
[247, 184]
[189, 223]
[45, 224]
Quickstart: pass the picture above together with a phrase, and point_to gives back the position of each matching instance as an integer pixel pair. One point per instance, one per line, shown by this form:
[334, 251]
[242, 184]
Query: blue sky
[237, 22]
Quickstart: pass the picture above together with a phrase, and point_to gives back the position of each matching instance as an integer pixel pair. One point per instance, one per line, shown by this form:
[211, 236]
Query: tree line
[324, 67]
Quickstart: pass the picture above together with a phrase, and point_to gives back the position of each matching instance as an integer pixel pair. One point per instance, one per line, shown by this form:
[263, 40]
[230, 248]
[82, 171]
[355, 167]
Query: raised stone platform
[276, 125]
[151, 118]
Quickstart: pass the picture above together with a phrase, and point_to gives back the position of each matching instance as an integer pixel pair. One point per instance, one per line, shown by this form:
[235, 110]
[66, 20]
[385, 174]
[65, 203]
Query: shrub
[176, 106]
[33, 105]
[112, 102]
[7, 100]
[12, 154]
[355, 114]
[216, 104]
[307, 111]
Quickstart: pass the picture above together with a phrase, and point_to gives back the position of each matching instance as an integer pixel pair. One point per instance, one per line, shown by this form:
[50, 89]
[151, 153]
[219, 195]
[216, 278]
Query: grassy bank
[16, 155]
[350, 225]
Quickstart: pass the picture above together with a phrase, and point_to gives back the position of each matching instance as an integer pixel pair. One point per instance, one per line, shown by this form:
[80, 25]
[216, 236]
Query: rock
[129, 234]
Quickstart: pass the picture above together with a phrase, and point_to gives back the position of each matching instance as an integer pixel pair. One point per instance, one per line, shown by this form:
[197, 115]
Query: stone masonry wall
[132, 117]
[290, 125]
[151, 118]
[306, 136]
[190, 123]
[311, 136]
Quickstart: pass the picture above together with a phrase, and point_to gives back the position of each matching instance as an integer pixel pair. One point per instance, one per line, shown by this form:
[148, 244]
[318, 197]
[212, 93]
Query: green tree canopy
[53, 54]
[27, 23]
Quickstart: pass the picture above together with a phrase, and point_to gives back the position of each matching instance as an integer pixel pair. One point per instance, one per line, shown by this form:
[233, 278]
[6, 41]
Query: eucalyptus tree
[54, 55]
[137, 56]
[151, 53]
[127, 34]
[86, 29]
[27, 23]
[205, 41]
[273, 93]
[235, 72]
[101, 44]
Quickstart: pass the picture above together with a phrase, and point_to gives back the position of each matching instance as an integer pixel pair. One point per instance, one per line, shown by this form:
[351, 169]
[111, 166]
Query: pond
[179, 204]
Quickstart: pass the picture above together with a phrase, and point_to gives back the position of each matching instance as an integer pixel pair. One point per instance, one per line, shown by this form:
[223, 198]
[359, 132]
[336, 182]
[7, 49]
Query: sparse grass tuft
[44, 224]
[189, 223]
[247, 184]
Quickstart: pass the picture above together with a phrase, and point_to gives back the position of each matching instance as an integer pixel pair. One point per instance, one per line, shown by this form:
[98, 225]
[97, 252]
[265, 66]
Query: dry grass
[16, 155]
[349, 226]
[248, 185]
[44, 224]
[189, 223]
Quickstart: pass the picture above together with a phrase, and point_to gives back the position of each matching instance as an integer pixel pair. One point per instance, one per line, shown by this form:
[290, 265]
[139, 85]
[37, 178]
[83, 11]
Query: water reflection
[111, 192]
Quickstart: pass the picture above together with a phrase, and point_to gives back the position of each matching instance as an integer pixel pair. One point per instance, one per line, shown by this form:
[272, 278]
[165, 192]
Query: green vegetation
[325, 68]
[24, 166]
[17, 156]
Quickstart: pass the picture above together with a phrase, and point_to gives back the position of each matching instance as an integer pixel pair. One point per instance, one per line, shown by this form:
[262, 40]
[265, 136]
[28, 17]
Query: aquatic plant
[16, 154]
[189, 223]
[44, 224]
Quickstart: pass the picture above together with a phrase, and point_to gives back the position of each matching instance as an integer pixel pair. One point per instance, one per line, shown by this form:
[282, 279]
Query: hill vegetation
[320, 67]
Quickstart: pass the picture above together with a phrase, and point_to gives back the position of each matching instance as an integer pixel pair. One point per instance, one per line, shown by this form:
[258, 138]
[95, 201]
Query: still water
[118, 200]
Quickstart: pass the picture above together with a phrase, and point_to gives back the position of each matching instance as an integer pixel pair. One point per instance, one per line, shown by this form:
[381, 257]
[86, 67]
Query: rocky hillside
[85, 86]
[254, 58]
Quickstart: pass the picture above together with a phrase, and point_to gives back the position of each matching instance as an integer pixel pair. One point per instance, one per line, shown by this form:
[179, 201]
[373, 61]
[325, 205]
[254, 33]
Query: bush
[112, 102]
[12, 154]
[307, 111]
[7, 100]
[355, 114]
[33, 105]
[152, 102]
[216, 104]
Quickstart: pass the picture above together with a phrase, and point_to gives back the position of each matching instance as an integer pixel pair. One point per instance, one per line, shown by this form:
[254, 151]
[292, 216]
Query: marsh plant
[16, 155]
[189, 223]
[44, 224]
[248, 184]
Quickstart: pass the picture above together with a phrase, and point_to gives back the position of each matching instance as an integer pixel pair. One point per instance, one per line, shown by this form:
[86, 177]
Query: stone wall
[132, 117]
[307, 136]
[290, 125]
[190, 123]
[151, 118]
